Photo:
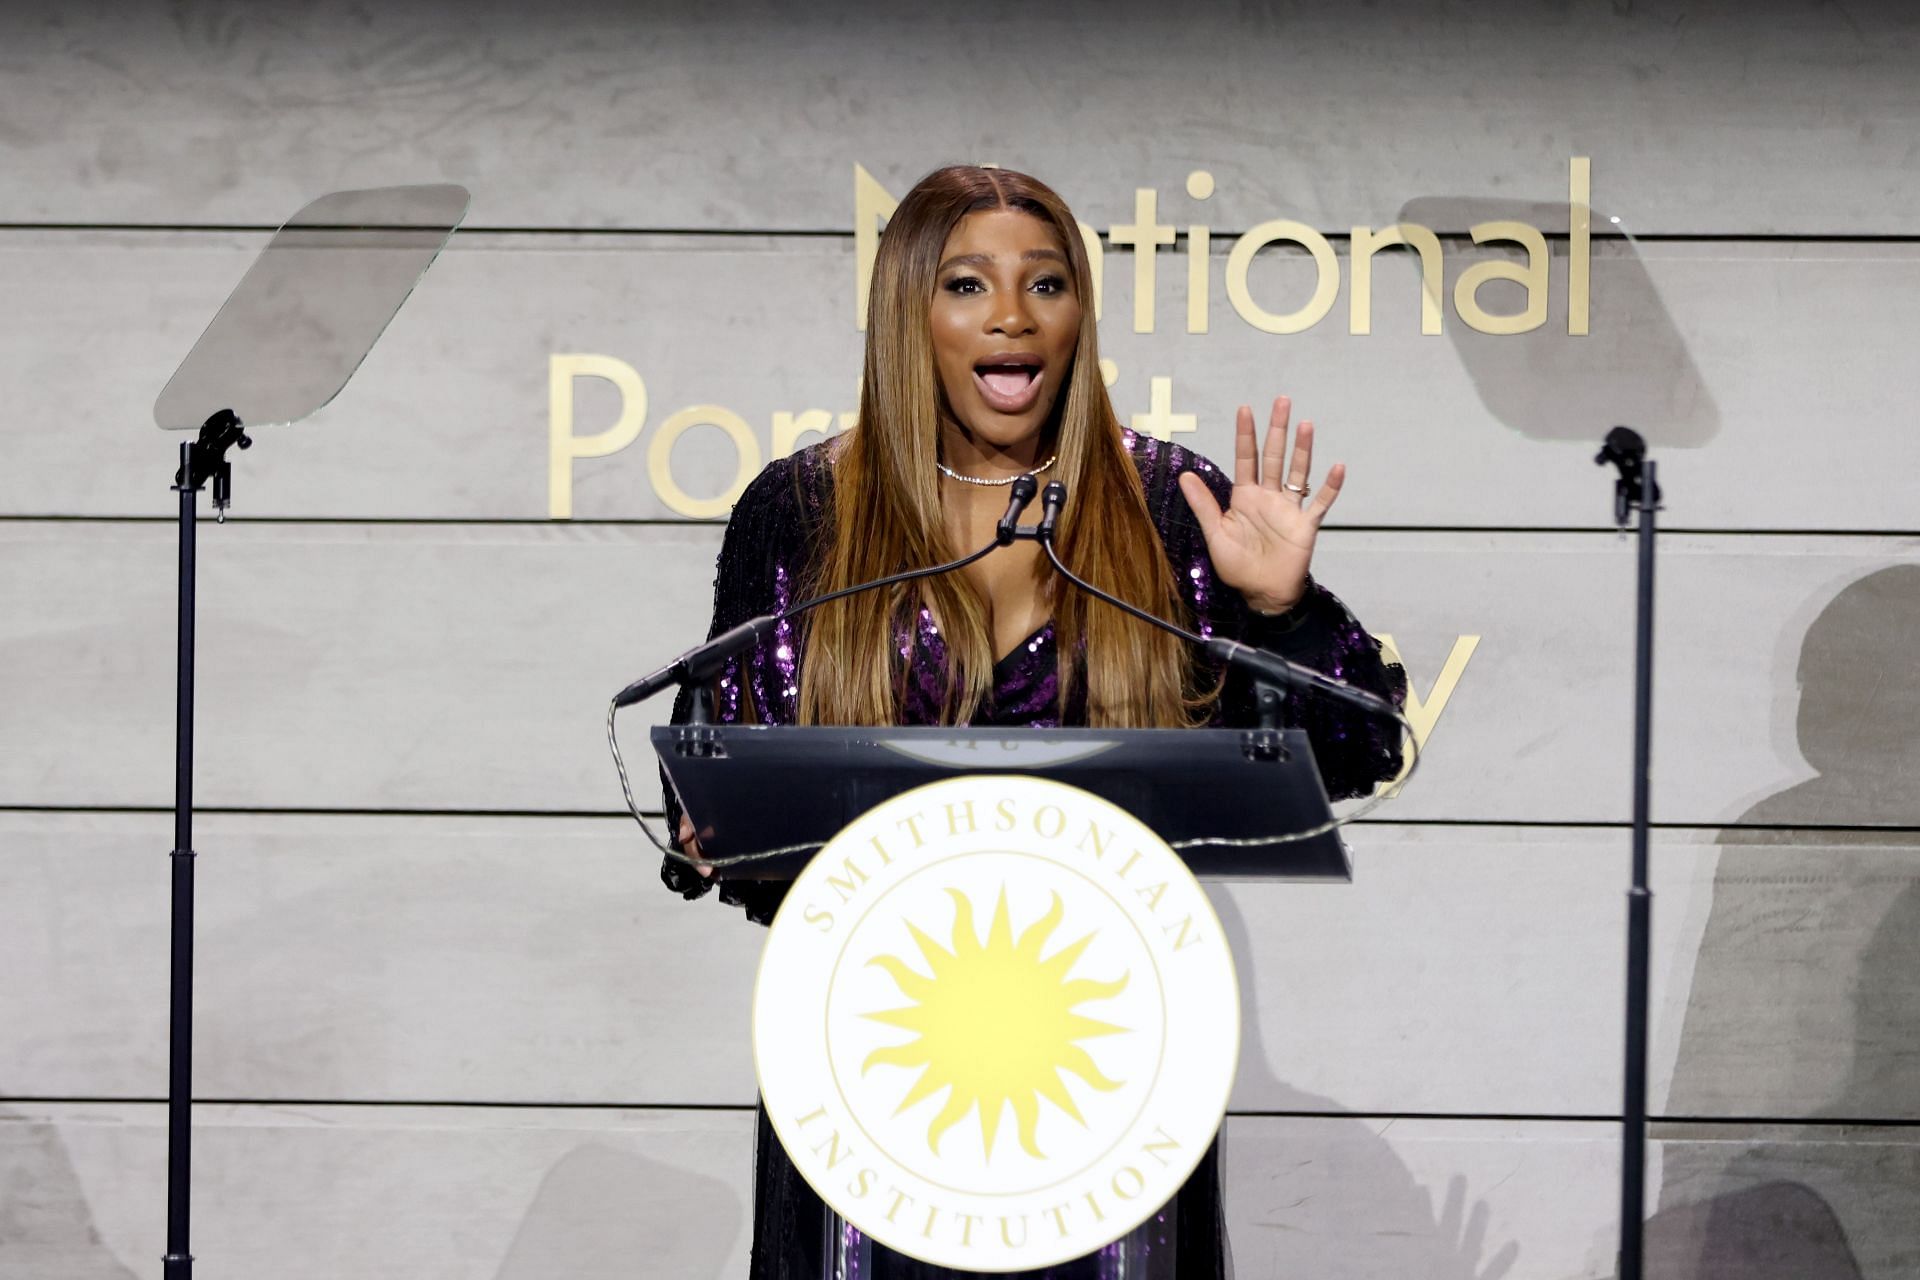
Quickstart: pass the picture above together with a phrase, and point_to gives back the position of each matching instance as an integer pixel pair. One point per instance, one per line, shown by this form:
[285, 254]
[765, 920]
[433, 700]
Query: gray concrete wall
[451, 1026]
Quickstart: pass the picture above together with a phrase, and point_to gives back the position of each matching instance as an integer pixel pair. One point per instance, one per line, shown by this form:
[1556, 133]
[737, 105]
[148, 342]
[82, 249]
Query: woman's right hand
[690, 845]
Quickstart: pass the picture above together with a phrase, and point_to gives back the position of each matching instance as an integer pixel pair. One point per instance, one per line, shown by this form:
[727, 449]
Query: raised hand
[1262, 544]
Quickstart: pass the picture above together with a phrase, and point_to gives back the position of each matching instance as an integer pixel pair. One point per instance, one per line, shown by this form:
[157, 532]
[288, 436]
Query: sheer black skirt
[795, 1236]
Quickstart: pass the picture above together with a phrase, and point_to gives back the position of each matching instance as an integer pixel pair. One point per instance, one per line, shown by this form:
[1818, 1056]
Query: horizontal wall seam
[648, 522]
[1218, 235]
[618, 815]
[1462, 1117]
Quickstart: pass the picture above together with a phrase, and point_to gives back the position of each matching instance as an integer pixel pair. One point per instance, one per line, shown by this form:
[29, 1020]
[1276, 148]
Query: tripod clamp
[205, 459]
[1627, 451]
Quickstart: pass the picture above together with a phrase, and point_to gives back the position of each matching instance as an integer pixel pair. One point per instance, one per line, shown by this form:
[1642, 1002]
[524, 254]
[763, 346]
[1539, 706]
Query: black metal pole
[179, 1262]
[1633, 1153]
[201, 460]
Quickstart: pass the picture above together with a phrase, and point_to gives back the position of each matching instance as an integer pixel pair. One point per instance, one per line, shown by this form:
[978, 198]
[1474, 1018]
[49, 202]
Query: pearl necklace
[951, 474]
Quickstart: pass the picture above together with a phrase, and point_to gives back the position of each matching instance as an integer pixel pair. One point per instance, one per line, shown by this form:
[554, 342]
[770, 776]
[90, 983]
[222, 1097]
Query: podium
[1230, 803]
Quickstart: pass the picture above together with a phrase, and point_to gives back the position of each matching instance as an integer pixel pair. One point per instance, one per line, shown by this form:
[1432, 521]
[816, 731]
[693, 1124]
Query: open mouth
[1009, 382]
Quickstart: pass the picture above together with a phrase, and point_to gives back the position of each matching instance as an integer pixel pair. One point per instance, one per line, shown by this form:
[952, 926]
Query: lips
[1009, 381]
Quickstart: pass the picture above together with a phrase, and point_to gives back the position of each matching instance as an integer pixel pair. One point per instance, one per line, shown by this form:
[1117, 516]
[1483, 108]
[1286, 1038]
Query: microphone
[1050, 504]
[700, 663]
[1276, 670]
[1022, 494]
[1268, 668]
[705, 661]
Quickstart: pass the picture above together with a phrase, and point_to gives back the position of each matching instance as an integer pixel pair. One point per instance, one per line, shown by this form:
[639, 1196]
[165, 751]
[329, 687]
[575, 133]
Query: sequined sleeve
[1355, 752]
[767, 545]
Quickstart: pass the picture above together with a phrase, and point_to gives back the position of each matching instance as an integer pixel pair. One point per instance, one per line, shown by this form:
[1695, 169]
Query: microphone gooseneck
[1269, 671]
[1267, 667]
[705, 661]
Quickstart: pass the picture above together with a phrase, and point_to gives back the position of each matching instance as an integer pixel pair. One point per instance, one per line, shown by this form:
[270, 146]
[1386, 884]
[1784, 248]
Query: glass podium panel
[1145, 1253]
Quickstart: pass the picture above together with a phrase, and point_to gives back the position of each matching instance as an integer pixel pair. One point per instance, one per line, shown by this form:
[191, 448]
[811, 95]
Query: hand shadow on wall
[46, 1224]
[602, 1213]
[1778, 1021]
[1379, 1222]
[1632, 366]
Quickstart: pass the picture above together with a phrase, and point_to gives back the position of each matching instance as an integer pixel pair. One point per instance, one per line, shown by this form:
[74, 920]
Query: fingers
[1245, 461]
[1200, 498]
[1329, 490]
[690, 845]
[1275, 467]
[1276, 450]
[1302, 464]
[1475, 1237]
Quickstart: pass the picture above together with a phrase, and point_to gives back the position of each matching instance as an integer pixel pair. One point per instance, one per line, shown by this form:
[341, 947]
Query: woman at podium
[982, 366]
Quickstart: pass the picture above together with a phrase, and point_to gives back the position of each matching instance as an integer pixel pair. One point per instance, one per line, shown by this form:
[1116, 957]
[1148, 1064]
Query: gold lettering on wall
[563, 446]
[1241, 260]
[872, 206]
[1532, 278]
[1424, 713]
[1579, 243]
[789, 428]
[1199, 245]
[660, 459]
[1160, 421]
[1096, 264]
[1366, 242]
[1144, 235]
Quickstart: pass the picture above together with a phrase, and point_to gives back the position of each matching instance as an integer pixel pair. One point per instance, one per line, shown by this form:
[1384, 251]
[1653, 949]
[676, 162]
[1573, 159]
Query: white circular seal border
[1141, 1142]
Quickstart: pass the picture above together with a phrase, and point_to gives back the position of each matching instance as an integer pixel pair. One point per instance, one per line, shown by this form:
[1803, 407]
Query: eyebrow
[984, 260]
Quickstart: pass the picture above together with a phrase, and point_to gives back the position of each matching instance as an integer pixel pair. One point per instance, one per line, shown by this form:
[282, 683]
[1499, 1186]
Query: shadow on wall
[1632, 367]
[1806, 992]
[602, 1213]
[46, 1224]
[1355, 1214]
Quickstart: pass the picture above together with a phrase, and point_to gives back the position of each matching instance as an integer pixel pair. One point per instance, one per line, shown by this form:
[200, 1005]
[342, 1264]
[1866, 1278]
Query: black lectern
[1231, 803]
[1234, 803]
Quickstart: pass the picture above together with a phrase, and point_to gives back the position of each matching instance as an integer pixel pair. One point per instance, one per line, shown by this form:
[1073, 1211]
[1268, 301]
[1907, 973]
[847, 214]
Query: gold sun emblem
[994, 1023]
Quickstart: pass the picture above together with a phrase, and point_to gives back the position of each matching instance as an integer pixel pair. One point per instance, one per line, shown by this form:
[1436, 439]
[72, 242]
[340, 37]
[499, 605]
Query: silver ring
[1302, 489]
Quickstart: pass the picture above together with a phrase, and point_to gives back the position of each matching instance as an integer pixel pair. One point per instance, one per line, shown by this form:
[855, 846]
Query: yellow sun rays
[994, 1023]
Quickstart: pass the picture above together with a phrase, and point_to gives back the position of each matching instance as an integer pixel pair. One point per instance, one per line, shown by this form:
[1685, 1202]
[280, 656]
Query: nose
[1010, 316]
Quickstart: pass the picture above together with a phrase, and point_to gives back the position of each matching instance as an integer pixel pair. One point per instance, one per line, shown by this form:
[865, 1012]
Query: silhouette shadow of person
[603, 1211]
[46, 1224]
[1804, 1010]
[1342, 1205]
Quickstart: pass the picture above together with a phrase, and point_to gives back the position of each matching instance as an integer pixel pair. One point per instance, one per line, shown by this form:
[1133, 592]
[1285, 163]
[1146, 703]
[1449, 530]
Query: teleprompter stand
[1635, 489]
[202, 461]
[282, 346]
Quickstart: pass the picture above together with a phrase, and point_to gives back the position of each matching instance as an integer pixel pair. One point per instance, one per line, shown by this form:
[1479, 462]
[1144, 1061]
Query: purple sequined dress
[776, 526]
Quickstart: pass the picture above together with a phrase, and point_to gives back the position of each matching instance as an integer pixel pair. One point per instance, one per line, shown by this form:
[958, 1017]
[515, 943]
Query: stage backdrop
[451, 1025]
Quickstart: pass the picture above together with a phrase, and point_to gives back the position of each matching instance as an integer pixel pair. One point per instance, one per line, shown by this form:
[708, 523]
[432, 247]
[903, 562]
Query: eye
[963, 285]
[1049, 284]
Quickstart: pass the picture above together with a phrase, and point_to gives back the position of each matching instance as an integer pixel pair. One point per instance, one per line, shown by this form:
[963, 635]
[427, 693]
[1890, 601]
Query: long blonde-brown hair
[887, 514]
